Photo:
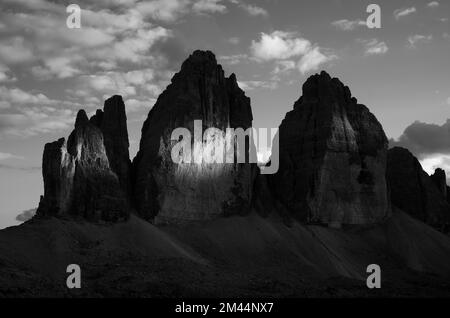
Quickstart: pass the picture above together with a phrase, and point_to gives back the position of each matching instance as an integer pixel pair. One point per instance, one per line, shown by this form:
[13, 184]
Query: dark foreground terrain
[235, 256]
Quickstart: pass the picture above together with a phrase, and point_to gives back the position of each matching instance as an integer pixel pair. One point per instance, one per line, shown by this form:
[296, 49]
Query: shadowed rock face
[332, 158]
[113, 124]
[169, 192]
[440, 180]
[413, 191]
[87, 176]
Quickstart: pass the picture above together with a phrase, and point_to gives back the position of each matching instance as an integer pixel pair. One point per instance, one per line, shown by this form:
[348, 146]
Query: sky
[48, 71]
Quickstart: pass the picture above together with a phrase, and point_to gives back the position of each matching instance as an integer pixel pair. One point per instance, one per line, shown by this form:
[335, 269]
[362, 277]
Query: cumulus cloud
[433, 4]
[430, 143]
[413, 40]
[312, 60]
[399, 13]
[280, 45]
[348, 25]
[251, 9]
[424, 139]
[107, 39]
[119, 50]
[374, 47]
[255, 10]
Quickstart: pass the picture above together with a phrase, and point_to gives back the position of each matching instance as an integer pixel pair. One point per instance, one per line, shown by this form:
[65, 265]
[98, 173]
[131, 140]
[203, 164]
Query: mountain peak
[82, 118]
[323, 86]
[199, 59]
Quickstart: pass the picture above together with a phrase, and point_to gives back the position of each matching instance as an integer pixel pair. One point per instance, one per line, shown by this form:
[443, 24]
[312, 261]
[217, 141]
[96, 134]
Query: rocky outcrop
[413, 191]
[178, 192]
[88, 175]
[448, 194]
[440, 180]
[112, 121]
[332, 154]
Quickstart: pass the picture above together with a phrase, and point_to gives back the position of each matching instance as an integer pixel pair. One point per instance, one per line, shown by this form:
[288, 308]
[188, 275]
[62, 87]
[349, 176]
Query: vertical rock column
[332, 158]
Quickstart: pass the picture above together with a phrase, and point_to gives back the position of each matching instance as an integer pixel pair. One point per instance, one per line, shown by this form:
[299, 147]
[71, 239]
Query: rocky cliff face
[440, 180]
[332, 158]
[112, 121]
[88, 175]
[413, 191]
[199, 190]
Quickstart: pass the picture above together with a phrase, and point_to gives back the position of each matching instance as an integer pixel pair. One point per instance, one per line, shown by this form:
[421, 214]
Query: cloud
[374, 47]
[251, 85]
[251, 9]
[16, 96]
[108, 40]
[6, 75]
[430, 143]
[36, 120]
[33, 113]
[348, 25]
[417, 39]
[132, 85]
[399, 13]
[448, 101]
[312, 60]
[169, 11]
[233, 59]
[26, 215]
[280, 45]
[118, 50]
[433, 4]
[209, 6]
[431, 163]
[234, 40]
[59, 67]
[15, 50]
[133, 104]
[284, 66]
[424, 139]
[164, 10]
[5, 156]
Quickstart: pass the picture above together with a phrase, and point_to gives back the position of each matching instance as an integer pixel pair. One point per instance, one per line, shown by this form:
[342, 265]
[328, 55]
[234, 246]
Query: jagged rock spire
[332, 158]
[88, 176]
[178, 193]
